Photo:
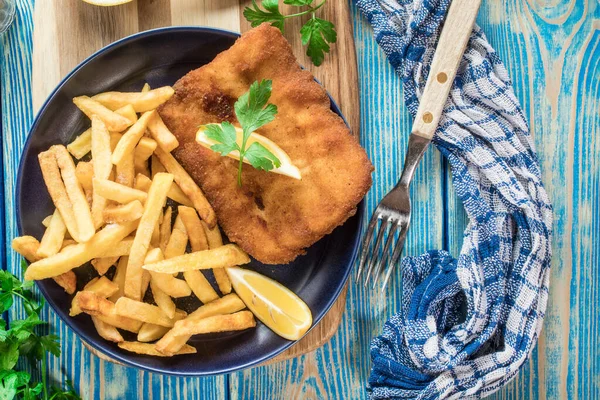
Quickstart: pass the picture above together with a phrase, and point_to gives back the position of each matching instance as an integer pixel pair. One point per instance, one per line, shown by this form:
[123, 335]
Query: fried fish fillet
[272, 217]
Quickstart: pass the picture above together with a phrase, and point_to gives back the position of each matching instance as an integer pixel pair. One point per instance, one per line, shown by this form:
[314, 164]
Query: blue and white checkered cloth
[466, 326]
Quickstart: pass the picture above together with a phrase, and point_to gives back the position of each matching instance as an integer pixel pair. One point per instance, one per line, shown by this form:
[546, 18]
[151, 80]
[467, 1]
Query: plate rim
[70, 323]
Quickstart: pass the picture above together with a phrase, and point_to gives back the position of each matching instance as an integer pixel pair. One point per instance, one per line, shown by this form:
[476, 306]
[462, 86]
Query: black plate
[160, 57]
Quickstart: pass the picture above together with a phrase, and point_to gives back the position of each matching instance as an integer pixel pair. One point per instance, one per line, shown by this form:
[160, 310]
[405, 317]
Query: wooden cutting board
[68, 31]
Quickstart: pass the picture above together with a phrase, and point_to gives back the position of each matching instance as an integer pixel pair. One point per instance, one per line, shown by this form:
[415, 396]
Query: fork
[393, 212]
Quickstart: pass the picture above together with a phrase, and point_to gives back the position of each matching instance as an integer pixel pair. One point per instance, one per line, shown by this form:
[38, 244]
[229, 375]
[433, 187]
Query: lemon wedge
[271, 302]
[287, 168]
[107, 3]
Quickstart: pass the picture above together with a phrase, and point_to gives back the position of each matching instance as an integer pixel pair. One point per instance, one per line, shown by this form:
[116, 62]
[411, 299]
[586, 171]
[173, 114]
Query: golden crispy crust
[272, 217]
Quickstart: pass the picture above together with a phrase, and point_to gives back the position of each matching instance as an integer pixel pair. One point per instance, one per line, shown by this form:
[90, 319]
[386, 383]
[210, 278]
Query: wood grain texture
[552, 53]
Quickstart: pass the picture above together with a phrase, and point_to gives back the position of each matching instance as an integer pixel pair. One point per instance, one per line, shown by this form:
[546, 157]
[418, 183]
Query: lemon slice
[286, 168]
[107, 2]
[271, 302]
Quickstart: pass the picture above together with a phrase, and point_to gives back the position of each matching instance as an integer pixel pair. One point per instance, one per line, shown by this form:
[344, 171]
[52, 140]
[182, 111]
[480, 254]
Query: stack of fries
[111, 211]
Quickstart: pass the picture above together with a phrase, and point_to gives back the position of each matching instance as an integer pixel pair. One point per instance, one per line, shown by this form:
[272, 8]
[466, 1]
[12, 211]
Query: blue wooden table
[552, 52]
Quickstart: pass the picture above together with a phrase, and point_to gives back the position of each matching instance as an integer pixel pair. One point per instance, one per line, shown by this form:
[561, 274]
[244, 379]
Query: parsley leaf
[271, 14]
[316, 34]
[261, 158]
[298, 3]
[22, 339]
[252, 112]
[225, 135]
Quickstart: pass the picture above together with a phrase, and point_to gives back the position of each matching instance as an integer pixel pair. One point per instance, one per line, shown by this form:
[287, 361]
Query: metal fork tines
[390, 219]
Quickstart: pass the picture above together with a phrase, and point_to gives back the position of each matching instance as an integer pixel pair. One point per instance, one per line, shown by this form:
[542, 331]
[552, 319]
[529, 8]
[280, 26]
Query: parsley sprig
[23, 339]
[252, 112]
[317, 34]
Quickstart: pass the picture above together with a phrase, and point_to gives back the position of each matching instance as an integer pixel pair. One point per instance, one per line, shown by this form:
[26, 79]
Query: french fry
[84, 170]
[150, 332]
[107, 331]
[131, 138]
[188, 186]
[146, 278]
[105, 310]
[157, 195]
[102, 286]
[155, 239]
[142, 169]
[27, 246]
[103, 264]
[58, 192]
[77, 255]
[115, 137]
[219, 323]
[119, 278]
[200, 286]
[155, 166]
[128, 112]
[221, 257]
[102, 166]
[82, 144]
[165, 229]
[68, 281]
[148, 349]
[193, 227]
[125, 170]
[123, 248]
[214, 239]
[213, 236]
[53, 237]
[173, 340]
[163, 301]
[46, 221]
[167, 283]
[145, 88]
[67, 243]
[81, 209]
[141, 101]
[114, 122]
[177, 244]
[144, 312]
[142, 182]
[163, 136]
[176, 194]
[123, 213]
[115, 191]
[144, 150]
[178, 224]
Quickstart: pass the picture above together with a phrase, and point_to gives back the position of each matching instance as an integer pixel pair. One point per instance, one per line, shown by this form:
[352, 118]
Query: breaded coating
[272, 217]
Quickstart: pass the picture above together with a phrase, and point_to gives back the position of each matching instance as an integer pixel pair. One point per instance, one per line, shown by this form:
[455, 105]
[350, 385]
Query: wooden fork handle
[450, 48]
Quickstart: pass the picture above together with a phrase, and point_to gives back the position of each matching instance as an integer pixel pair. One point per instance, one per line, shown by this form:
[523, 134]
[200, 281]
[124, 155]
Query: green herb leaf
[225, 135]
[20, 339]
[9, 354]
[59, 394]
[251, 108]
[261, 158]
[316, 35]
[252, 112]
[9, 384]
[256, 16]
[298, 3]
